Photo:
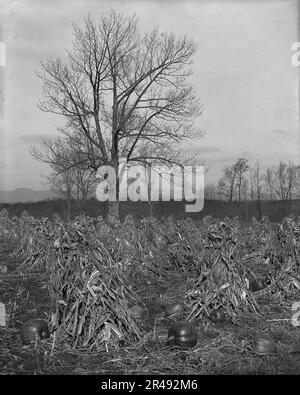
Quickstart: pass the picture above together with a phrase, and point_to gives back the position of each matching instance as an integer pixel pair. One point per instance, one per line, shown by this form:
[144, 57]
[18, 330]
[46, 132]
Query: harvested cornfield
[102, 290]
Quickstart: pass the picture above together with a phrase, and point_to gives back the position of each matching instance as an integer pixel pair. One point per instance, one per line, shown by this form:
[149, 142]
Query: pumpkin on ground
[33, 330]
[173, 309]
[217, 315]
[264, 344]
[258, 284]
[182, 333]
[137, 311]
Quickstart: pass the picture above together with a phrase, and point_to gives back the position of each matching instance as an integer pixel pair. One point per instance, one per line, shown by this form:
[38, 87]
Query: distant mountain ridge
[23, 195]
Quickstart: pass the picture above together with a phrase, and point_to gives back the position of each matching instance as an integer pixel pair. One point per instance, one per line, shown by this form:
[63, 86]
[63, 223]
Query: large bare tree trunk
[113, 206]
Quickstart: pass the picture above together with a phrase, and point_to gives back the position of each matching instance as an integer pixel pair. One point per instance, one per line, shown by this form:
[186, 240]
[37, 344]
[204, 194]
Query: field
[104, 290]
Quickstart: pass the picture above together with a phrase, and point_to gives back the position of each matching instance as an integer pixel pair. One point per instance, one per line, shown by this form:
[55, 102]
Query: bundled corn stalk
[257, 249]
[9, 230]
[182, 247]
[174, 245]
[36, 244]
[152, 248]
[90, 294]
[255, 237]
[286, 257]
[221, 280]
[5, 227]
[275, 256]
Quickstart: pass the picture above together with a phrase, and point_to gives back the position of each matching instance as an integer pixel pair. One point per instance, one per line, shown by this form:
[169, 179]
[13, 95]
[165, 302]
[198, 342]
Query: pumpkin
[295, 348]
[182, 333]
[257, 285]
[34, 330]
[264, 344]
[217, 315]
[137, 311]
[173, 309]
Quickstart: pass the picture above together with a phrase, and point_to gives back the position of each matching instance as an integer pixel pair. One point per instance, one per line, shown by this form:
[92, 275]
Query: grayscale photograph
[149, 190]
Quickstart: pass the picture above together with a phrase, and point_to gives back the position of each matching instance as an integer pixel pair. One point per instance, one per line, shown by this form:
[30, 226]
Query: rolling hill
[26, 195]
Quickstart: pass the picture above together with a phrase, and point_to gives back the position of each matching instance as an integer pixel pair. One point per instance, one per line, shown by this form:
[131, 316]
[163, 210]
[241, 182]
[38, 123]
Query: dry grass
[97, 273]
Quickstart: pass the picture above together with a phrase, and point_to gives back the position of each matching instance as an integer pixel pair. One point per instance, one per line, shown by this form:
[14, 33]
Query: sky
[243, 75]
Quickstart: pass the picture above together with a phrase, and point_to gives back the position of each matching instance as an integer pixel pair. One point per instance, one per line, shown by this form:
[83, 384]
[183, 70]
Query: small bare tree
[227, 183]
[240, 168]
[62, 184]
[269, 179]
[118, 90]
[283, 181]
[258, 179]
[287, 178]
[210, 191]
[67, 180]
[234, 180]
[251, 181]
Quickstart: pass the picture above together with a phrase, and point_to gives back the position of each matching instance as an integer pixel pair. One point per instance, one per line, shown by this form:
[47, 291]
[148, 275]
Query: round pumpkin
[182, 333]
[173, 309]
[137, 311]
[33, 330]
[257, 285]
[264, 344]
[217, 315]
[295, 348]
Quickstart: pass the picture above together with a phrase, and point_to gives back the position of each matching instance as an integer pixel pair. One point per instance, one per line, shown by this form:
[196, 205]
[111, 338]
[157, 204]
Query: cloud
[280, 132]
[237, 90]
[36, 138]
[203, 148]
[224, 160]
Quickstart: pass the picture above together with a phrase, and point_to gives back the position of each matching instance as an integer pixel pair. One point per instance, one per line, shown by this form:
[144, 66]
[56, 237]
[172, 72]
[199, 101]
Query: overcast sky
[242, 72]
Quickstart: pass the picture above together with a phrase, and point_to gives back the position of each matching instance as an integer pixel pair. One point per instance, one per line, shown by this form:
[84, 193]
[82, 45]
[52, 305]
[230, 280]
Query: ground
[224, 348]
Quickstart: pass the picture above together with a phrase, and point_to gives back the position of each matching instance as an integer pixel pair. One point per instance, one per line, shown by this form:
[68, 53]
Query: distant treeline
[245, 210]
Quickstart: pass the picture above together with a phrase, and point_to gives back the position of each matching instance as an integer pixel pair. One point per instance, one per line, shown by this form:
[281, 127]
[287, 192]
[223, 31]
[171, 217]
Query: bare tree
[210, 191]
[62, 184]
[74, 183]
[68, 181]
[234, 179]
[269, 179]
[119, 89]
[258, 179]
[244, 190]
[240, 168]
[227, 183]
[85, 183]
[251, 180]
[287, 177]
[282, 181]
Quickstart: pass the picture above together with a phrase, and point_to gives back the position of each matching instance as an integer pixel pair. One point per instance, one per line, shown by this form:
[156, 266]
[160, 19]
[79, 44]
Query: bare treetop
[119, 89]
[123, 94]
